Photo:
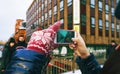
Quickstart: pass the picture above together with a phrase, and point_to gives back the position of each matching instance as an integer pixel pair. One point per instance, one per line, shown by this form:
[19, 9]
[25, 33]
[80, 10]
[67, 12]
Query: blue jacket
[88, 65]
[27, 62]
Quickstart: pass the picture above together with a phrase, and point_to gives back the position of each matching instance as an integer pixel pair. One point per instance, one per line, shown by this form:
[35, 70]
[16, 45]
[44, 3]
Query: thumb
[76, 40]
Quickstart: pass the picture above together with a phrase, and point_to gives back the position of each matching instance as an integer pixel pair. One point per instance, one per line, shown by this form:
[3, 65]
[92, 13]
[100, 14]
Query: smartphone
[64, 36]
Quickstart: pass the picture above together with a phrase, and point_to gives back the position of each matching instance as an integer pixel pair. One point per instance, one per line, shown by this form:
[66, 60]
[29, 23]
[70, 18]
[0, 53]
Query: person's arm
[88, 65]
[86, 61]
[34, 58]
[117, 11]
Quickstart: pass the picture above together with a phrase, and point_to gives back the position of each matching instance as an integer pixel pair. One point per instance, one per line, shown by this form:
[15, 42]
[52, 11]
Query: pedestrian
[110, 49]
[34, 58]
[7, 53]
[21, 43]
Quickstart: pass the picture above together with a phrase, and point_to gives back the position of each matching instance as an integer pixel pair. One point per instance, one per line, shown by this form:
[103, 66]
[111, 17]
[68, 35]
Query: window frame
[99, 5]
[92, 3]
[69, 2]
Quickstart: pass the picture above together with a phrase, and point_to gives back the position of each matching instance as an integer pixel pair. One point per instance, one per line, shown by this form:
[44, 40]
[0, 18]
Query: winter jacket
[110, 50]
[88, 65]
[7, 54]
[27, 62]
[19, 44]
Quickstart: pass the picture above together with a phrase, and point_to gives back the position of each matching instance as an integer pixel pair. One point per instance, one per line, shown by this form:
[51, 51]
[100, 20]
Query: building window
[107, 28]
[100, 23]
[112, 19]
[46, 16]
[112, 11]
[117, 30]
[107, 17]
[62, 23]
[92, 12]
[50, 13]
[61, 5]
[83, 24]
[69, 2]
[117, 1]
[70, 10]
[113, 29]
[100, 5]
[50, 1]
[83, 9]
[39, 9]
[112, 3]
[92, 20]
[62, 14]
[55, 18]
[92, 3]
[83, 2]
[46, 3]
[42, 19]
[55, 2]
[39, 20]
[100, 14]
[100, 27]
[50, 20]
[107, 8]
[55, 10]
[42, 6]
[106, 1]
[70, 22]
[42, 1]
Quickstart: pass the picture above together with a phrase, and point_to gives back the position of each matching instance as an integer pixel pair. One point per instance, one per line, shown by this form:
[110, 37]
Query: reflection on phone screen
[64, 36]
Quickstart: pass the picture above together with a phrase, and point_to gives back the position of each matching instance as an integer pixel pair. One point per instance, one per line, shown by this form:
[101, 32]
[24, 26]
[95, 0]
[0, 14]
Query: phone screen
[64, 36]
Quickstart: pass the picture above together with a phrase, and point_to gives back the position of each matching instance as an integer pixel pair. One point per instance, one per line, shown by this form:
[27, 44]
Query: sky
[10, 10]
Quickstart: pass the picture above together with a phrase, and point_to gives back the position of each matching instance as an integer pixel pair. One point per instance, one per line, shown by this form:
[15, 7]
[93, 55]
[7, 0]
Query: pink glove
[43, 41]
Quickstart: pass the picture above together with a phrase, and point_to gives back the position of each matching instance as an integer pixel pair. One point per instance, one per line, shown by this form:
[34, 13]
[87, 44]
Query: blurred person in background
[7, 53]
[110, 49]
[21, 43]
[35, 58]
[87, 62]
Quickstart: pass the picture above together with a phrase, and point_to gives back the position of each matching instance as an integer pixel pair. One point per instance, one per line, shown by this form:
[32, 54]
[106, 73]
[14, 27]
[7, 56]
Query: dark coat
[21, 44]
[27, 62]
[88, 65]
[112, 65]
[110, 50]
[91, 66]
[7, 54]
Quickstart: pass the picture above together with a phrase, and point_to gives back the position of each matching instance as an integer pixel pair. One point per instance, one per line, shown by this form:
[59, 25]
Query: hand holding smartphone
[64, 36]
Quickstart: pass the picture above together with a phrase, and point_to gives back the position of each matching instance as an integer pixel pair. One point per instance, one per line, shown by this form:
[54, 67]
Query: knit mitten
[43, 41]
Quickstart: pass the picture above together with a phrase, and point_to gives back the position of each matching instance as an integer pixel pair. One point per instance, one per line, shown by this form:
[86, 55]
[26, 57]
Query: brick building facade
[98, 24]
